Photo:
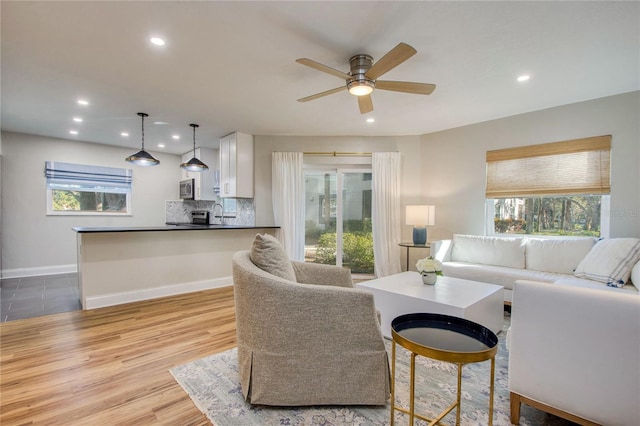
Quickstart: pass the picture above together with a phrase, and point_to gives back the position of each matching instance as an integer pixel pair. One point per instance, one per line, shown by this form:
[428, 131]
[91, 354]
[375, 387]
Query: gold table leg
[493, 374]
[456, 404]
[412, 389]
[393, 379]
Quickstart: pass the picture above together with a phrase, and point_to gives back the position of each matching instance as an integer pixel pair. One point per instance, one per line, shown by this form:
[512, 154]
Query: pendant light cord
[143, 115]
[194, 138]
[143, 132]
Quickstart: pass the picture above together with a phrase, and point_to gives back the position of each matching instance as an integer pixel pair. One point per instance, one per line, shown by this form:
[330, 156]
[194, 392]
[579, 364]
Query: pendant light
[194, 165]
[142, 157]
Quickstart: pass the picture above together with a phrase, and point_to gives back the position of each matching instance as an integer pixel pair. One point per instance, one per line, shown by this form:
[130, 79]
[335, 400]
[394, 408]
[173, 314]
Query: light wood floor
[110, 365]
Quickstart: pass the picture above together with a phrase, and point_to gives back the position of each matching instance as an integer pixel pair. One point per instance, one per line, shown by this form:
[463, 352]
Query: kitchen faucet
[221, 212]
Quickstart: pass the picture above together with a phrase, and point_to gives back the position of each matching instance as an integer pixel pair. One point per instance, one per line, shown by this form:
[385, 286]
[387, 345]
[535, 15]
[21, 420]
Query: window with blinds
[87, 190]
[554, 188]
[579, 166]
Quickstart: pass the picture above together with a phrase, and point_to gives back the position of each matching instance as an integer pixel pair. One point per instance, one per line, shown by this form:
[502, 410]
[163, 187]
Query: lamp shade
[421, 215]
[194, 165]
[142, 157]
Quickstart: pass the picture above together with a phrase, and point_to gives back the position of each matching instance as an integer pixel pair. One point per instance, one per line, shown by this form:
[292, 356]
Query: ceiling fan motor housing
[360, 64]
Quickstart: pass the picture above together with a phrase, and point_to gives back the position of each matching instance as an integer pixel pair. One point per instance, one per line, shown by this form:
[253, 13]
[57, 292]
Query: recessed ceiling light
[160, 145]
[160, 122]
[83, 102]
[125, 134]
[77, 119]
[176, 137]
[524, 77]
[371, 120]
[157, 41]
[73, 132]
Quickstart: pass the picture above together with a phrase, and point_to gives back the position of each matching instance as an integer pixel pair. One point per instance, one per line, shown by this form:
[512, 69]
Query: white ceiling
[231, 66]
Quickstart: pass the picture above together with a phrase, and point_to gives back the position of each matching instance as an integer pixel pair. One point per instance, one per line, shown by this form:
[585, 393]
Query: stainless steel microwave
[187, 188]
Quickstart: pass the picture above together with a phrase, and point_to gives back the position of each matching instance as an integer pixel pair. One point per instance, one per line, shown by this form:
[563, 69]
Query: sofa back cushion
[610, 261]
[496, 251]
[556, 255]
[268, 254]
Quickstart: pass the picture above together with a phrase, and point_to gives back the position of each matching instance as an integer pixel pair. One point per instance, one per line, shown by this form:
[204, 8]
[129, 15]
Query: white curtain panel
[287, 191]
[385, 213]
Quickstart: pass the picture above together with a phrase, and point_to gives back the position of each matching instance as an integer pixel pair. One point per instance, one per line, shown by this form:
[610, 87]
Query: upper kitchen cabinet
[236, 166]
[203, 181]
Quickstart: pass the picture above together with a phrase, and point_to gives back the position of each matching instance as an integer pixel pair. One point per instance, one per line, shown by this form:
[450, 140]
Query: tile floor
[37, 296]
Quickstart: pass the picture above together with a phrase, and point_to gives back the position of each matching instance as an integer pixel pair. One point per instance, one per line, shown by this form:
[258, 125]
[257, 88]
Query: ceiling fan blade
[365, 103]
[405, 86]
[321, 94]
[320, 67]
[392, 59]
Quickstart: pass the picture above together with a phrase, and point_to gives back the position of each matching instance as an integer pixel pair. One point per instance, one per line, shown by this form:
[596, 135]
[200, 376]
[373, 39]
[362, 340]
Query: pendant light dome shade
[194, 165]
[142, 157]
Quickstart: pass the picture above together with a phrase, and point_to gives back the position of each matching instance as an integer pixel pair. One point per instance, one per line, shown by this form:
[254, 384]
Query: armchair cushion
[267, 254]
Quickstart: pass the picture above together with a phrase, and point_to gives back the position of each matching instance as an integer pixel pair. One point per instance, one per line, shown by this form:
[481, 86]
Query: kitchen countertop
[167, 227]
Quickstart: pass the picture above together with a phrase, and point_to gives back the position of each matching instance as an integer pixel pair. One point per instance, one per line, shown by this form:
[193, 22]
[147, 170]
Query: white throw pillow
[635, 275]
[496, 251]
[557, 255]
[610, 261]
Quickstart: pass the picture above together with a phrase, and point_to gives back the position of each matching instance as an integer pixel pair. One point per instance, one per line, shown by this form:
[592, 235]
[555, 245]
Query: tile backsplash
[180, 211]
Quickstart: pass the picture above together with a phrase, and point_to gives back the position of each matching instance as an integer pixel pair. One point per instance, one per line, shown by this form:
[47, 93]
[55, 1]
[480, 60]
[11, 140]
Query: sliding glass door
[338, 228]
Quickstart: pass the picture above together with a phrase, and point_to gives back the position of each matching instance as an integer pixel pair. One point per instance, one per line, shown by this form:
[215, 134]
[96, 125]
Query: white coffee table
[405, 293]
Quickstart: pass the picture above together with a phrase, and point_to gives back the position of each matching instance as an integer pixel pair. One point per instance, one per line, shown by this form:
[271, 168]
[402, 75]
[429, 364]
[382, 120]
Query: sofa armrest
[316, 273]
[441, 250]
[576, 350]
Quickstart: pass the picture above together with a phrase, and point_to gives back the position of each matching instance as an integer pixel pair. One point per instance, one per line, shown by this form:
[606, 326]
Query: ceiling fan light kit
[362, 77]
[361, 87]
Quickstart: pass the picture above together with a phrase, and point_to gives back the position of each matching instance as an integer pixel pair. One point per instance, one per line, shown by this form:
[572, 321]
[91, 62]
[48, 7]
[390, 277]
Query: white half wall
[455, 160]
[34, 243]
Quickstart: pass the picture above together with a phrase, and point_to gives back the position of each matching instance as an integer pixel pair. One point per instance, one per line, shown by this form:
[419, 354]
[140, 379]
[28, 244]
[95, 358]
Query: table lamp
[420, 217]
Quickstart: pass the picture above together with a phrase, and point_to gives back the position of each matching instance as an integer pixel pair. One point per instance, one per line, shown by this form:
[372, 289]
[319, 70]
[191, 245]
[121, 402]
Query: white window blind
[81, 177]
[579, 166]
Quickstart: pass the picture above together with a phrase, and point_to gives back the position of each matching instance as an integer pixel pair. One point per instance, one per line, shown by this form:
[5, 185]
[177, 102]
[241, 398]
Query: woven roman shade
[579, 166]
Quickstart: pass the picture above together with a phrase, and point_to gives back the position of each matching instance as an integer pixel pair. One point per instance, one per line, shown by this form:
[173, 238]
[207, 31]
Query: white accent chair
[575, 352]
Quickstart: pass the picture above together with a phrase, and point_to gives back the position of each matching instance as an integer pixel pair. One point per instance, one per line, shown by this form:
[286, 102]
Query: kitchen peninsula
[126, 264]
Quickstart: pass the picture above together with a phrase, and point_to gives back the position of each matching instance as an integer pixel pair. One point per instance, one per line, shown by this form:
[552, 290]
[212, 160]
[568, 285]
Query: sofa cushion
[267, 254]
[610, 261]
[556, 255]
[498, 275]
[571, 281]
[496, 251]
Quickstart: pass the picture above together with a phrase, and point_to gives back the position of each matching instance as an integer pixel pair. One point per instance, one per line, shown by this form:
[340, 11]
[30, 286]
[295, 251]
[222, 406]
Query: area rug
[213, 385]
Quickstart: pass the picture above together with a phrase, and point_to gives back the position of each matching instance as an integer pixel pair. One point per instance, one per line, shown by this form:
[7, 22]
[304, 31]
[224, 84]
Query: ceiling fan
[363, 76]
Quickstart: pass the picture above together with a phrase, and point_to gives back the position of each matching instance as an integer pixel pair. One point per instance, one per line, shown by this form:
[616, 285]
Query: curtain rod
[336, 154]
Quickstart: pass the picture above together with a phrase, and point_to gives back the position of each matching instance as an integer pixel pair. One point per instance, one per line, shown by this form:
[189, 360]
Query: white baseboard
[39, 270]
[112, 299]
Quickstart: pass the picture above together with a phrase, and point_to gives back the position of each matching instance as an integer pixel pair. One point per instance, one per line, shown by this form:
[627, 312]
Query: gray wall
[456, 160]
[446, 169]
[409, 146]
[32, 240]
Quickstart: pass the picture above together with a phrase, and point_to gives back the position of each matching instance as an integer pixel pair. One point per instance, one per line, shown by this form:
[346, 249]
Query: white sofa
[502, 261]
[574, 342]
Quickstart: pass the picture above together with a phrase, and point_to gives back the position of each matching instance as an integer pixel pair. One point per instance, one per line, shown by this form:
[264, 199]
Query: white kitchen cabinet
[203, 181]
[236, 166]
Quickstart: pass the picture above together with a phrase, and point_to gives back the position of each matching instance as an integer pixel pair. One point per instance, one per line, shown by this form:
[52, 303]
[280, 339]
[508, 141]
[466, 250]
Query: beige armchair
[316, 341]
